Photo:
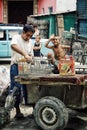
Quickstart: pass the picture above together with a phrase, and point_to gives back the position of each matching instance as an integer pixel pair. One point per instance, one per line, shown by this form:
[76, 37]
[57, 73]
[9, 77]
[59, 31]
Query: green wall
[52, 22]
[69, 20]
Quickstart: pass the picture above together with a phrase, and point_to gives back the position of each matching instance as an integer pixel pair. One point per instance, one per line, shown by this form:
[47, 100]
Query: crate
[38, 66]
[23, 68]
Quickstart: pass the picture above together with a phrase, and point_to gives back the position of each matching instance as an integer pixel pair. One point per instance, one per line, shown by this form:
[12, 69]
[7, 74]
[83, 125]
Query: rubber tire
[63, 108]
[50, 113]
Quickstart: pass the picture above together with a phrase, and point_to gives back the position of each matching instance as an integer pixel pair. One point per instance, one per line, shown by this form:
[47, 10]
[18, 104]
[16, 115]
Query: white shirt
[26, 46]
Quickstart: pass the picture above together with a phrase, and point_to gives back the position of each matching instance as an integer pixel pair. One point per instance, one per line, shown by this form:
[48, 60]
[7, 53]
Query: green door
[69, 21]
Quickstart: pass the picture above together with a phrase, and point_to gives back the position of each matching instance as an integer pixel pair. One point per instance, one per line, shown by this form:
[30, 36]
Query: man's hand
[28, 58]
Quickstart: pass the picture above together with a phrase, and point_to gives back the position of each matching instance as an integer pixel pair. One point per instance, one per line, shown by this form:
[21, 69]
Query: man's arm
[18, 50]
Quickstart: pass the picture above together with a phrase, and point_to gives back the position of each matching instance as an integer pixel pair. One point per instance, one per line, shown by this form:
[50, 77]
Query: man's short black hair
[28, 28]
[35, 25]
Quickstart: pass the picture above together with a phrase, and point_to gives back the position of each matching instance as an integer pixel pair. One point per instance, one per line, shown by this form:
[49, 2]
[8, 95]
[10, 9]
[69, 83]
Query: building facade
[1, 11]
[56, 6]
[16, 11]
[65, 6]
[51, 12]
[46, 6]
[60, 14]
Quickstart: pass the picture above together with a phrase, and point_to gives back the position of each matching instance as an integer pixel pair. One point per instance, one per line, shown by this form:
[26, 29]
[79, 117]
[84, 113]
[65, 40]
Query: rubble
[4, 83]
[4, 78]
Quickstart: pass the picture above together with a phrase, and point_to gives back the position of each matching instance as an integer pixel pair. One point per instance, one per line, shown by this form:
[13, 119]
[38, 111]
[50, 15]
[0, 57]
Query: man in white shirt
[21, 48]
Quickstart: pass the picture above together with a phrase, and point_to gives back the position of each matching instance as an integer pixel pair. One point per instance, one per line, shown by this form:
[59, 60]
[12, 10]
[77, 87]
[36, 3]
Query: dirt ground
[28, 123]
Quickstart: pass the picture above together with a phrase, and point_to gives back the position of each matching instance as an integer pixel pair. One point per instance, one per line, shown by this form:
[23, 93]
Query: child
[37, 46]
[37, 32]
[57, 48]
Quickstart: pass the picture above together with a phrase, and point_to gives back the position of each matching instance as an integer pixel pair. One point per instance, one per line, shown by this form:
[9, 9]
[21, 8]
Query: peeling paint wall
[65, 5]
[44, 5]
[1, 11]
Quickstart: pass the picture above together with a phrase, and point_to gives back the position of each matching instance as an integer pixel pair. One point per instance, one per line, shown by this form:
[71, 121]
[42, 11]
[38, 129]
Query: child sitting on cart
[57, 48]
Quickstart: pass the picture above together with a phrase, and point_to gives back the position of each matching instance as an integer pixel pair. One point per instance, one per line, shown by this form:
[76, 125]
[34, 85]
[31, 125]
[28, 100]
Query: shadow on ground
[28, 123]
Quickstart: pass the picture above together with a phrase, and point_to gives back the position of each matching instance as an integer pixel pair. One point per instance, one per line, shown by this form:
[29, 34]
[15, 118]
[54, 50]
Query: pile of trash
[4, 83]
[4, 78]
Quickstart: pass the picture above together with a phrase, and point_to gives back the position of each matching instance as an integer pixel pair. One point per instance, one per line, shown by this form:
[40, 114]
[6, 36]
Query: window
[2, 35]
[7, 31]
[50, 9]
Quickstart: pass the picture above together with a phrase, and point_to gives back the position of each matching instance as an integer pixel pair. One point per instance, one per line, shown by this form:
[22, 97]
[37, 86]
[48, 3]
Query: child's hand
[52, 37]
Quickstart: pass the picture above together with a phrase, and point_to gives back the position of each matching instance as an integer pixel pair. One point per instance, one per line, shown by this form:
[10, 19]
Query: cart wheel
[50, 113]
[64, 110]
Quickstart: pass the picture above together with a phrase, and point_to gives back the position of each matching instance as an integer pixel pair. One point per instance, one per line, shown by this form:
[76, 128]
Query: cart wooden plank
[52, 79]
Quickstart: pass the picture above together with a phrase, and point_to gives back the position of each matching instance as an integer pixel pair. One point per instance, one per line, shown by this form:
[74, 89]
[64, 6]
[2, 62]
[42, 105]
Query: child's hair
[35, 25]
[58, 37]
[38, 36]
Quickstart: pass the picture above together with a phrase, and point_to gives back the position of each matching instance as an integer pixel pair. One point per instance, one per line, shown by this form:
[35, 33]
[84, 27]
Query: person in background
[37, 32]
[37, 46]
[21, 48]
[57, 48]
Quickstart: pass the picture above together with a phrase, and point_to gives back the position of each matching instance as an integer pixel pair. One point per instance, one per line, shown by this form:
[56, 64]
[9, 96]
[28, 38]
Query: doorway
[19, 10]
